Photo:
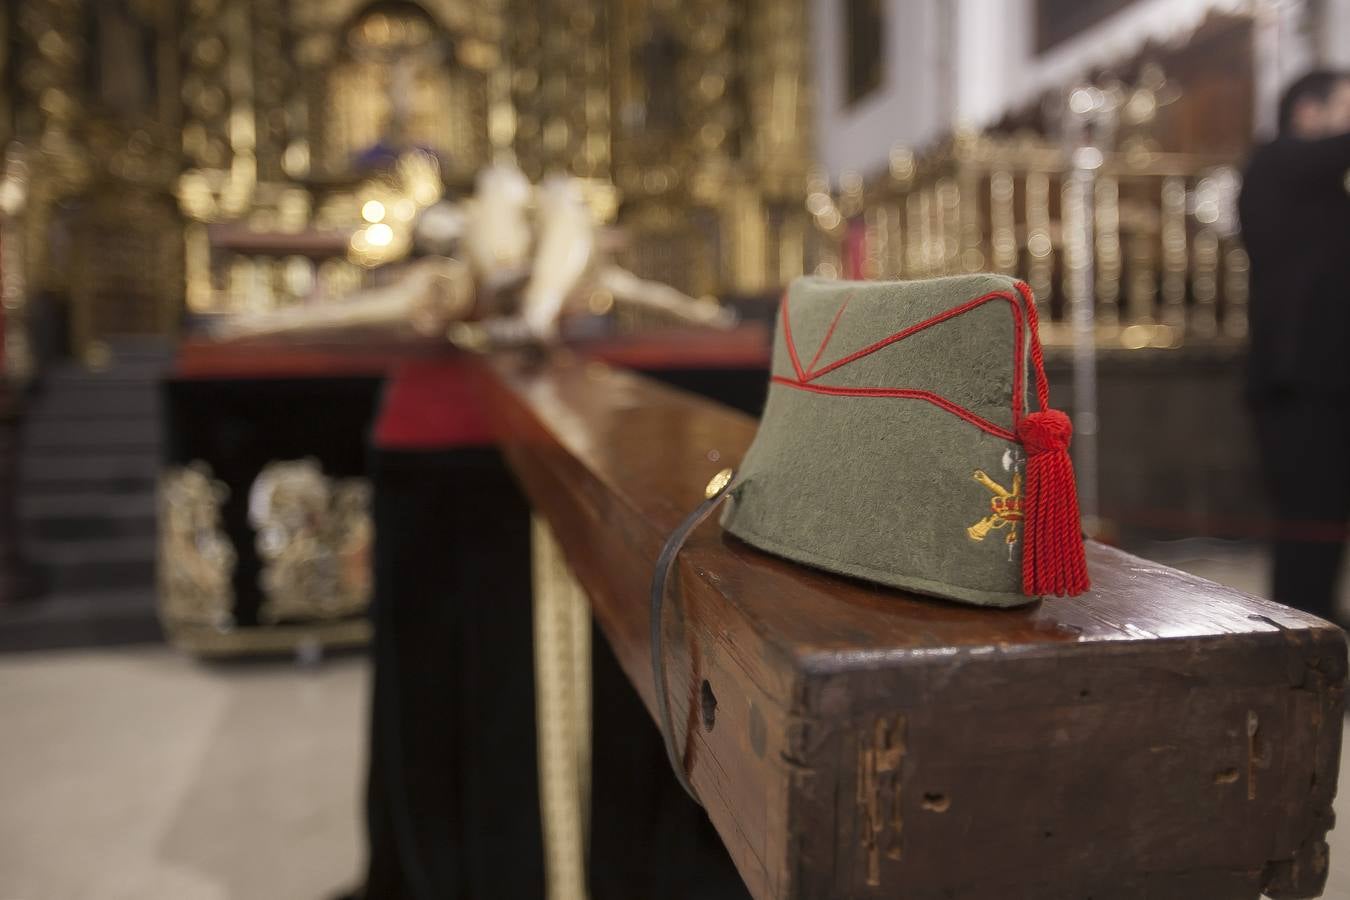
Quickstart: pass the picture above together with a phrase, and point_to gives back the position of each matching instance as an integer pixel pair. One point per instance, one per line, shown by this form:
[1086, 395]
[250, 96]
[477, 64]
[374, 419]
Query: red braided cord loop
[1037, 360]
[1053, 559]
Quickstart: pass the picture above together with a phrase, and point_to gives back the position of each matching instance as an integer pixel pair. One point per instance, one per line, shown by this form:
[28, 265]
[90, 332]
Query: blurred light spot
[379, 235]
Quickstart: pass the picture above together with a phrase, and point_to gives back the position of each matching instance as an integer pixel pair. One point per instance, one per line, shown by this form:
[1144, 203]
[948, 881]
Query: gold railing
[1168, 268]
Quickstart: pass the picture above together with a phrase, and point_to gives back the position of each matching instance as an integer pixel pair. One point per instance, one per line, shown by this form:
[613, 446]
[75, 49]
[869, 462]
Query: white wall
[906, 107]
[1001, 34]
[1336, 34]
[988, 67]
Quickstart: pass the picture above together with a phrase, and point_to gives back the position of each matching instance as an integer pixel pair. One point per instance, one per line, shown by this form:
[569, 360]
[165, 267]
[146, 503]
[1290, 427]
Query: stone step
[92, 552]
[138, 375]
[72, 455]
[89, 461]
[62, 473]
[95, 563]
[57, 529]
[81, 619]
[88, 505]
[72, 404]
[137, 371]
[65, 385]
[124, 573]
[100, 434]
[75, 516]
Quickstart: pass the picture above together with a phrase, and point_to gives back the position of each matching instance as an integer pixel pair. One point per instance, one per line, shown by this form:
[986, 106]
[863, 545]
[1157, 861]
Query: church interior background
[183, 668]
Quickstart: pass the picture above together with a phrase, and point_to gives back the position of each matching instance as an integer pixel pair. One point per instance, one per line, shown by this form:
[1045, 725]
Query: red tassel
[1053, 561]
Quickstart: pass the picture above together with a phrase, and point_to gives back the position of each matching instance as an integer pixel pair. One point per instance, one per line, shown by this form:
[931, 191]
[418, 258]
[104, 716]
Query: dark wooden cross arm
[1161, 736]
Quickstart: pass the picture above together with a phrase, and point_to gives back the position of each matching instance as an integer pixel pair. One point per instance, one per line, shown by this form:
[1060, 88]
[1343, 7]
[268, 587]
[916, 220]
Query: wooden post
[1161, 736]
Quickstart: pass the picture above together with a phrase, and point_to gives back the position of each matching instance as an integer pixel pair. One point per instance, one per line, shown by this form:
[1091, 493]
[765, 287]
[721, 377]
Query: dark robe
[1295, 212]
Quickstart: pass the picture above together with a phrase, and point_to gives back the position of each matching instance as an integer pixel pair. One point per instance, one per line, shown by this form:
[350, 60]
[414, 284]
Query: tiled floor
[137, 774]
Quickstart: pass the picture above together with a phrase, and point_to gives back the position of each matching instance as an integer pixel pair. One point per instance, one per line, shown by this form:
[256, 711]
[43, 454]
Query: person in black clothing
[1295, 215]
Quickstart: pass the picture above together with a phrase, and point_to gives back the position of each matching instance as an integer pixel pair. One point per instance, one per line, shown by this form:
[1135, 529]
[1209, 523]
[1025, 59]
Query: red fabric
[435, 403]
[279, 365]
[295, 358]
[432, 404]
[429, 398]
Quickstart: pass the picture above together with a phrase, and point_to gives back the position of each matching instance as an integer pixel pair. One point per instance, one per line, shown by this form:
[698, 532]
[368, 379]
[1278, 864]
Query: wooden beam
[1162, 736]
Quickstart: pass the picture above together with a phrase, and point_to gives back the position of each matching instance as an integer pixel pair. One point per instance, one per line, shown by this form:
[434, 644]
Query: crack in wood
[881, 751]
[1254, 755]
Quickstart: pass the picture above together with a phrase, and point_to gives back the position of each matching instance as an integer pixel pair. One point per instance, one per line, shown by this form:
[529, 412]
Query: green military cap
[898, 443]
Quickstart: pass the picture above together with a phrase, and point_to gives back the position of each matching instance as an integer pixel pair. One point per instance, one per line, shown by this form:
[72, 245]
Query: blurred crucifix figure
[493, 274]
[1295, 212]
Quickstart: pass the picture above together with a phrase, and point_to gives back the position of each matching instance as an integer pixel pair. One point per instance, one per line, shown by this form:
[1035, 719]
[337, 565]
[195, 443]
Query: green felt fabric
[883, 488]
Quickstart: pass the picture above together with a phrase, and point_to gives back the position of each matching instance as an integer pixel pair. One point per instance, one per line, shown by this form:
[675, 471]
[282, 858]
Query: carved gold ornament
[314, 537]
[196, 558]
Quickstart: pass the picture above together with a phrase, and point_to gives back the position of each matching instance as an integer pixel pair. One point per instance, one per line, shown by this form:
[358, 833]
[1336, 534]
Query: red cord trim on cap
[828, 334]
[1037, 359]
[905, 394]
[791, 344]
[804, 378]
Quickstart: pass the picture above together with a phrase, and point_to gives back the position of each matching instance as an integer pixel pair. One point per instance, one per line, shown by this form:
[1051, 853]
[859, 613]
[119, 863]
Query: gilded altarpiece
[686, 122]
[158, 131]
[689, 122]
[322, 100]
[95, 105]
[710, 150]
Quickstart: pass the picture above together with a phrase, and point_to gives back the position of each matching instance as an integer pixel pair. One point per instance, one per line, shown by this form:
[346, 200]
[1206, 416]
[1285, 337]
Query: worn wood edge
[829, 720]
[1304, 872]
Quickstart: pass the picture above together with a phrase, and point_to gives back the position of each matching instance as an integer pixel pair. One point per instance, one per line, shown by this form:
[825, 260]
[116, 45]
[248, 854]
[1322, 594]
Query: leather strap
[718, 489]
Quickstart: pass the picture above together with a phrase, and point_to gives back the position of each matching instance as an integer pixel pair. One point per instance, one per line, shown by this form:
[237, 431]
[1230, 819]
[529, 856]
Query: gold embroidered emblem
[1005, 508]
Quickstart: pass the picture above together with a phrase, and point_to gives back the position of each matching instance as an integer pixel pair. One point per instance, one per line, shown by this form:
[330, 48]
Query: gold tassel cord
[562, 676]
